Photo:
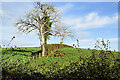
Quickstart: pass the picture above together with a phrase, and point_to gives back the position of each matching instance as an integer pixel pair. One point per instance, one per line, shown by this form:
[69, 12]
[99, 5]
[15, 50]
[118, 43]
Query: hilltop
[27, 60]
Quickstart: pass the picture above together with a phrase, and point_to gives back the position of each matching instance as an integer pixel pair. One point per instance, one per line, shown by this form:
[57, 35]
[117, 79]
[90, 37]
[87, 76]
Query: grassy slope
[41, 64]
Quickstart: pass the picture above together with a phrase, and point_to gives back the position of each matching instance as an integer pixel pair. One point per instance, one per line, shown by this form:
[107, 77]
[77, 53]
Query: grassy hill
[59, 64]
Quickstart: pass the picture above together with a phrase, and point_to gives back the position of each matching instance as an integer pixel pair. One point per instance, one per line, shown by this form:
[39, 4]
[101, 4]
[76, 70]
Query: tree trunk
[62, 40]
[43, 50]
[41, 42]
[45, 41]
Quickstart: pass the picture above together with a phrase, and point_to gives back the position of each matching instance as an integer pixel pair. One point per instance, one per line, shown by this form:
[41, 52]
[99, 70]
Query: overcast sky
[90, 21]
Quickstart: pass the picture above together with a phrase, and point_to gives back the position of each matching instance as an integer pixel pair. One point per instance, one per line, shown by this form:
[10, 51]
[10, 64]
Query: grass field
[28, 60]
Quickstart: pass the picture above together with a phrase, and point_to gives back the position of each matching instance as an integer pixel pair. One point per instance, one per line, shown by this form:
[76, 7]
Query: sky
[90, 21]
[60, 0]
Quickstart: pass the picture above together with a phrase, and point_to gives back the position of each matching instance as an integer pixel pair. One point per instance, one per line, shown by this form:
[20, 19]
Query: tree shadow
[37, 52]
[21, 50]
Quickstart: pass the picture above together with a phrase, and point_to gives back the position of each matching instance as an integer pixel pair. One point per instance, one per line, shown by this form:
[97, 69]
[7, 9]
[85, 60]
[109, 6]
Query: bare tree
[62, 31]
[35, 20]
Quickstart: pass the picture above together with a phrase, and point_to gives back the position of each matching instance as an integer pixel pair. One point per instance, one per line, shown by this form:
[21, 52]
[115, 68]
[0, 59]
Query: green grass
[16, 59]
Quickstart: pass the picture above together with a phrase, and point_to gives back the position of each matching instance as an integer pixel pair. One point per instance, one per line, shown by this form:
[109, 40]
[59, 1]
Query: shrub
[51, 47]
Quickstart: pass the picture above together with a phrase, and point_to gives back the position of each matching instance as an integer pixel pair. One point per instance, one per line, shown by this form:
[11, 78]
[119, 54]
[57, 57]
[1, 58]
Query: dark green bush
[51, 47]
